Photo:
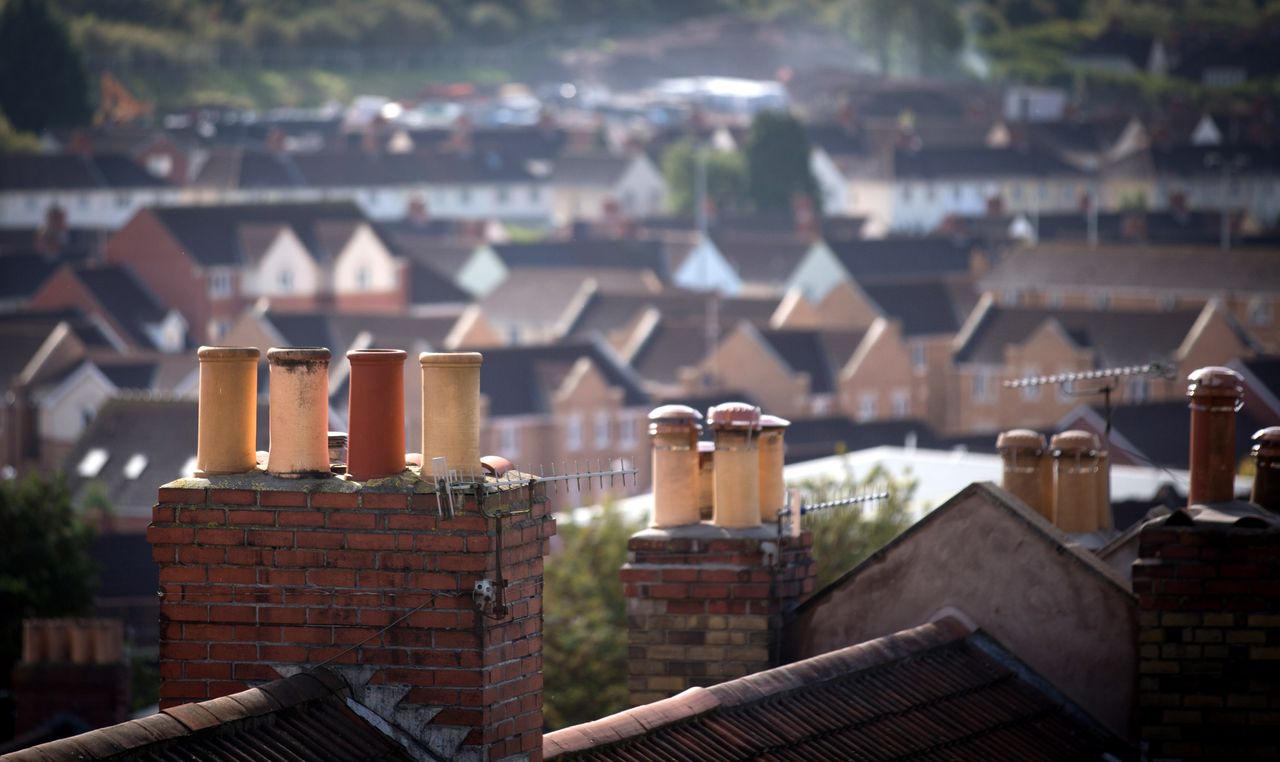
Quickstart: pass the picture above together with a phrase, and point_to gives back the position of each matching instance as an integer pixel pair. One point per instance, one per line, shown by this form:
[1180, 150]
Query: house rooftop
[977, 162]
[932, 307]
[1139, 268]
[869, 700]
[901, 258]
[36, 171]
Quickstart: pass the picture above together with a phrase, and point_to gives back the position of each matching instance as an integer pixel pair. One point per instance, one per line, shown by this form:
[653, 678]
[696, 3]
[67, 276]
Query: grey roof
[762, 259]
[338, 330]
[1117, 337]
[244, 168]
[541, 294]
[22, 334]
[35, 171]
[1138, 267]
[975, 162]
[600, 169]
[430, 285]
[927, 307]
[637, 255]
[22, 273]
[521, 380]
[609, 311]
[901, 257]
[124, 298]
[821, 354]
[211, 234]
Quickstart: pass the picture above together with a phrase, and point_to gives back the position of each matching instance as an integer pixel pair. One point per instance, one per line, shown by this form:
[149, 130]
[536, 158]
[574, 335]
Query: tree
[918, 38]
[726, 177]
[778, 162]
[584, 634]
[45, 568]
[13, 141]
[844, 536]
[42, 79]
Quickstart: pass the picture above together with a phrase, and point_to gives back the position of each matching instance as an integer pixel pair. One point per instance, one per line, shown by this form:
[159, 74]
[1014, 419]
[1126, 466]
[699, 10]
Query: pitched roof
[339, 330]
[22, 273]
[1161, 431]
[1138, 267]
[820, 354]
[1117, 337]
[542, 294]
[636, 255]
[927, 307]
[901, 257]
[300, 717]
[1192, 160]
[937, 690]
[241, 168]
[430, 285]
[521, 380]
[974, 162]
[599, 169]
[762, 259]
[210, 234]
[811, 438]
[125, 298]
[35, 171]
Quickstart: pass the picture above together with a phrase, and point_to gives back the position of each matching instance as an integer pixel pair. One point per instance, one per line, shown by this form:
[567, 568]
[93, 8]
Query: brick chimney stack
[435, 621]
[706, 600]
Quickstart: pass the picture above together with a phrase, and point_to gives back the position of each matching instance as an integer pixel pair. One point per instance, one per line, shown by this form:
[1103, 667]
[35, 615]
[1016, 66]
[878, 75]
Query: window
[626, 432]
[866, 406]
[362, 278]
[918, 359]
[955, 191]
[123, 200]
[900, 403]
[928, 192]
[508, 440]
[602, 429]
[981, 387]
[92, 462]
[1030, 393]
[906, 192]
[1064, 390]
[160, 164]
[1168, 302]
[502, 195]
[218, 329]
[1009, 297]
[1137, 389]
[1259, 311]
[134, 467]
[1101, 300]
[219, 284]
[573, 432]
[1053, 299]
[285, 279]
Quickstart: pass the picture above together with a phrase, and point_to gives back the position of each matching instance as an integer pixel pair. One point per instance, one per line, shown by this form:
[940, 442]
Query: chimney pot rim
[227, 354]
[734, 415]
[1215, 381]
[298, 355]
[1074, 441]
[768, 421]
[451, 359]
[676, 415]
[376, 356]
[1020, 439]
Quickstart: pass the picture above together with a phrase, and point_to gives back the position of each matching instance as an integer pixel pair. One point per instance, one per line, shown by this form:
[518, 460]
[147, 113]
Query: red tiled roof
[934, 692]
[300, 717]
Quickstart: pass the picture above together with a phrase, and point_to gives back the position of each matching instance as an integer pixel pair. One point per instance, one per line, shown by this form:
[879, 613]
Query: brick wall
[705, 605]
[268, 577]
[1209, 641]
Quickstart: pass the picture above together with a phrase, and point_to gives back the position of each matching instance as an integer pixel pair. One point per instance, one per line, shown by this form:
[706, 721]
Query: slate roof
[247, 168]
[124, 298]
[925, 308]
[977, 162]
[430, 285]
[1267, 370]
[1161, 430]
[36, 171]
[22, 273]
[1117, 337]
[302, 717]
[1138, 267]
[543, 295]
[23, 333]
[837, 139]
[821, 354]
[125, 566]
[767, 260]
[596, 170]
[338, 330]
[1190, 160]
[637, 255]
[901, 257]
[812, 438]
[446, 254]
[210, 234]
[937, 691]
[1159, 227]
[609, 311]
[521, 380]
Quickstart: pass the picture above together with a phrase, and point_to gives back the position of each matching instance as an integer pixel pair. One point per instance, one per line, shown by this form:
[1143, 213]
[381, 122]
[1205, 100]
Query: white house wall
[96, 209]
[364, 252]
[642, 191]
[67, 410]
[831, 182]
[285, 254]
[706, 269]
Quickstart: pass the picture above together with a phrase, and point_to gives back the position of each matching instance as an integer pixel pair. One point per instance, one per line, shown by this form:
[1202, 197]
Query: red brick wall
[1209, 641]
[256, 578]
[704, 609]
[159, 261]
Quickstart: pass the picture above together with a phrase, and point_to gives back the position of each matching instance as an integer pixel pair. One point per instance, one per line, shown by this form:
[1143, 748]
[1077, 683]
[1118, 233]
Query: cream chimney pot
[1027, 469]
[1077, 470]
[706, 478]
[772, 450]
[451, 409]
[674, 430]
[228, 417]
[736, 498]
[299, 413]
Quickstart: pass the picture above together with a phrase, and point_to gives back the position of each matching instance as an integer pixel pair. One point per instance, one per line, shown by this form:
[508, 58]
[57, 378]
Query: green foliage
[918, 38]
[42, 79]
[726, 177]
[778, 162]
[844, 536]
[13, 141]
[45, 569]
[584, 640]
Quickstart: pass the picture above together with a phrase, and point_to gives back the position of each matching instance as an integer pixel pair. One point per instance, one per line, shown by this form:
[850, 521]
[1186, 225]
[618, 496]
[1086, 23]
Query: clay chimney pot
[376, 413]
[1266, 479]
[676, 479]
[772, 450]
[228, 416]
[1215, 394]
[1027, 469]
[1077, 471]
[736, 496]
[451, 408]
[299, 412]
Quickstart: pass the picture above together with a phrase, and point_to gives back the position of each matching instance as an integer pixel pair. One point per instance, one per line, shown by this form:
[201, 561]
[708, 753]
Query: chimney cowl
[1020, 439]
[773, 422]
[1074, 442]
[495, 465]
[734, 415]
[1215, 383]
[1267, 442]
[672, 418]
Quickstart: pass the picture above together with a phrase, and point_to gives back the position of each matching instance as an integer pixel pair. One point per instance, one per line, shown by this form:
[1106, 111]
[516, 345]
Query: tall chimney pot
[375, 412]
[736, 496]
[674, 430]
[228, 419]
[451, 409]
[1266, 477]
[1077, 472]
[1027, 469]
[299, 413]
[772, 450]
[1215, 394]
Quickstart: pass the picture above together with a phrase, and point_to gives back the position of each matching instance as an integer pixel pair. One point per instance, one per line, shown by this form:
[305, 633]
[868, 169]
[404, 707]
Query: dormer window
[219, 284]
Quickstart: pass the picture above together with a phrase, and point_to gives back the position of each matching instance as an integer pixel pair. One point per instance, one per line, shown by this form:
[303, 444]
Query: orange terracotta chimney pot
[228, 420]
[772, 451]
[676, 481]
[736, 499]
[1215, 395]
[375, 412]
[1027, 469]
[299, 412]
[451, 409]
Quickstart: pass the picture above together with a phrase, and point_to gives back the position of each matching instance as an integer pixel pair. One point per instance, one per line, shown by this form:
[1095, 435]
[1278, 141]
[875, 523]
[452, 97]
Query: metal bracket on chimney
[485, 595]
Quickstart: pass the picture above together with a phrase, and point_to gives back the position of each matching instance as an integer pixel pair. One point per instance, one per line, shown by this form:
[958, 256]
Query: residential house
[211, 262]
[22, 273]
[1261, 376]
[100, 191]
[1246, 282]
[491, 264]
[831, 264]
[583, 187]
[539, 305]
[120, 303]
[999, 344]
[1229, 178]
